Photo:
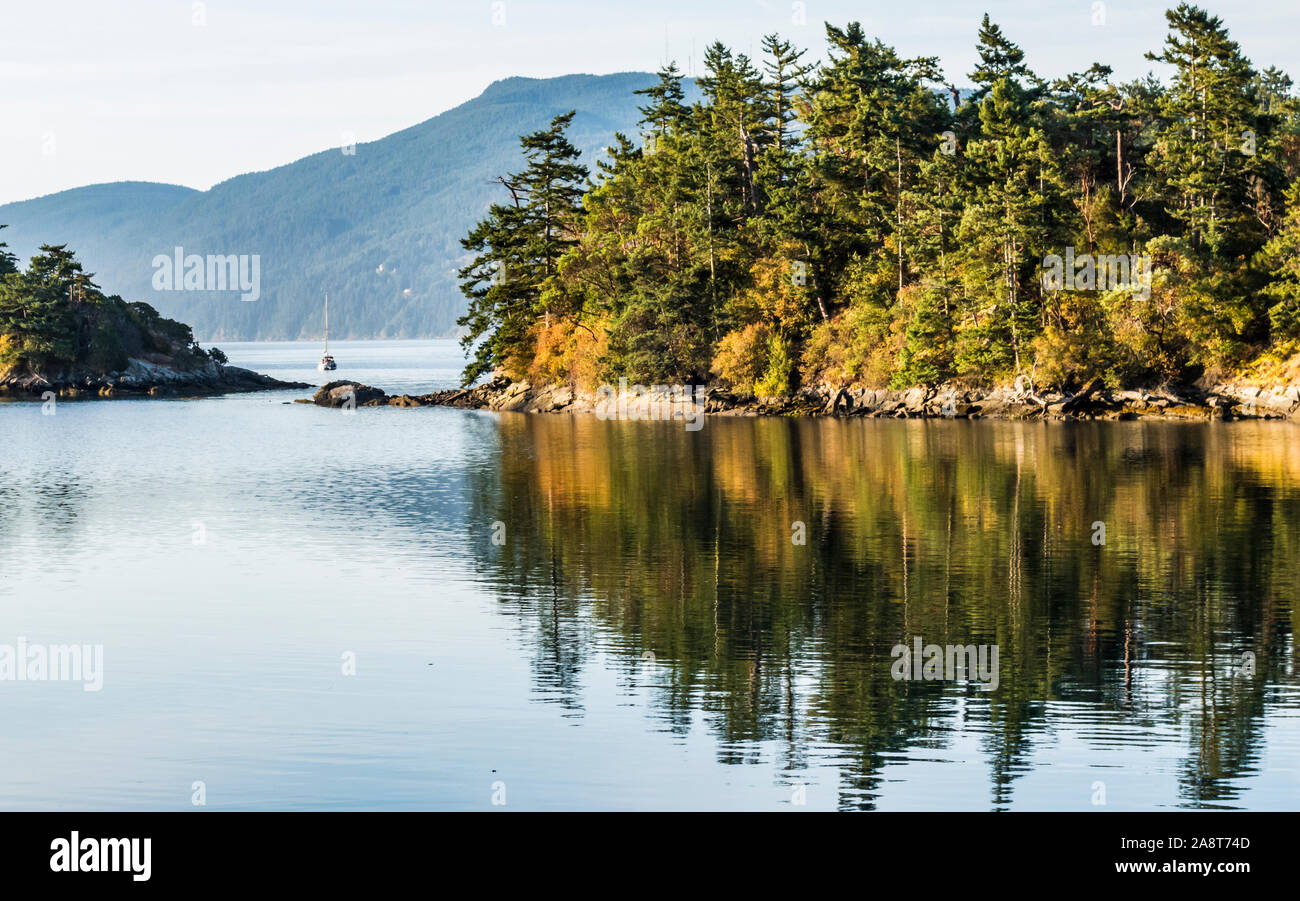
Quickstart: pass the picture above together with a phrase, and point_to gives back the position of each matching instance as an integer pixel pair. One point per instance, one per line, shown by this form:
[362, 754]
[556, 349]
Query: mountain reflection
[669, 556]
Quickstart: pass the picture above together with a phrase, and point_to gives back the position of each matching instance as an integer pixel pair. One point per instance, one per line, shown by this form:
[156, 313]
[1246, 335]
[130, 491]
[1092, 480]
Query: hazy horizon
[193, 94]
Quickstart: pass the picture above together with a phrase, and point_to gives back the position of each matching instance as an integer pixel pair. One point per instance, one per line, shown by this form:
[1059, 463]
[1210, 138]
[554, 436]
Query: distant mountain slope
[90, 220]
[378, 229]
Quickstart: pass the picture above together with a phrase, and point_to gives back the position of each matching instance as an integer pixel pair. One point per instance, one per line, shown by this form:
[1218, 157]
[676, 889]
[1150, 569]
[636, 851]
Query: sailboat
[327, 363]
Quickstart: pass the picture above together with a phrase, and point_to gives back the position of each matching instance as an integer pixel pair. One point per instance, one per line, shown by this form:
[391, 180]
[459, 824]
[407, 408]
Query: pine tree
[999, 58]
[37, 324]
[665, 112]
[873, 121]
[8, 262]
[734, 124]
[1281, 256]
[1211, 130]
[1006, 229]
[785, 72]
[510, 282]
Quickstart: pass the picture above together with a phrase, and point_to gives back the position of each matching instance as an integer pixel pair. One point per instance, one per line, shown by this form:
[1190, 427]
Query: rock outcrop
[341, 393]
[1093, 401]
[142, 378]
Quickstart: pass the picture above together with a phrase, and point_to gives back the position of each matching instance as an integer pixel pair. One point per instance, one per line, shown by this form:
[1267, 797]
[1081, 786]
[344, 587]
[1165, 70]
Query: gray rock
[339, 393]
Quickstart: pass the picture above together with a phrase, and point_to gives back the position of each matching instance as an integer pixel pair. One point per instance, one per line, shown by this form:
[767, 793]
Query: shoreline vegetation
[61, 336]
[864, 237]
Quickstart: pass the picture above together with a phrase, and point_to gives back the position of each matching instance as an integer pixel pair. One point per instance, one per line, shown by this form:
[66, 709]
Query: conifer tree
[665, 110]
[1211, 130]
[518, 248]
[8, 262]
[861, 222]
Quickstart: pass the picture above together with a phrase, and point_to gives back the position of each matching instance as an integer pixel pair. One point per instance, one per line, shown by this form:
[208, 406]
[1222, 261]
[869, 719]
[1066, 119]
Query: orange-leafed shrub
[568, 353]
[742, 356]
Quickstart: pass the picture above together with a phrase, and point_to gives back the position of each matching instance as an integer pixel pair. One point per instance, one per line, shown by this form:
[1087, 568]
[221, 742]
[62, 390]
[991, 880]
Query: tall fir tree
[510, 283]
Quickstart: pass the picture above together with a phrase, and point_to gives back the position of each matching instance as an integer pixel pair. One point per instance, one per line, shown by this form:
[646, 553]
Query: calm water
[648, 635]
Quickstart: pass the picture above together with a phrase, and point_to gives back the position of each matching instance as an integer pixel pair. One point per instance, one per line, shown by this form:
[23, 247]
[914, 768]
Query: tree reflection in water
[627, 538]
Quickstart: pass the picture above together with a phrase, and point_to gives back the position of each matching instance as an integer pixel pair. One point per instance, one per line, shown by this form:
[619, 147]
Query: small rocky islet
[61, 336]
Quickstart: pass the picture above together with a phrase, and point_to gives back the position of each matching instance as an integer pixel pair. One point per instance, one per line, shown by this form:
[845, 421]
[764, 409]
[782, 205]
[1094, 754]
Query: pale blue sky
[108, 90]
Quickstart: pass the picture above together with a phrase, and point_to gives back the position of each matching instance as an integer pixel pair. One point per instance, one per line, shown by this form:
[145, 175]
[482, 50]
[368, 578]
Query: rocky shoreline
[145, 379]
[1218, 402]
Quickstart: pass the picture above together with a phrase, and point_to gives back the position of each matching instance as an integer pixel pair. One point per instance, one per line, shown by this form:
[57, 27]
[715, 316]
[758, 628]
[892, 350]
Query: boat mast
[327, 324]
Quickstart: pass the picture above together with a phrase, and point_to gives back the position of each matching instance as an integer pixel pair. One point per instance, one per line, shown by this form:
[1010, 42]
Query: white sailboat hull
[327, 363]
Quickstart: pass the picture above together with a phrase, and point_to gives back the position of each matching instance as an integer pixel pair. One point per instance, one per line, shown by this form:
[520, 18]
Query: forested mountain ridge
[378, 228]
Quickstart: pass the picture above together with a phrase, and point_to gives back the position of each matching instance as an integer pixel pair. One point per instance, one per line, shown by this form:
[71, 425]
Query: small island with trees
[60, 335]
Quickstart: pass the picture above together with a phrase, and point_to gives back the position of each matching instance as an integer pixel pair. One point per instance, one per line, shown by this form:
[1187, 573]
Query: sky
[194, 93]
